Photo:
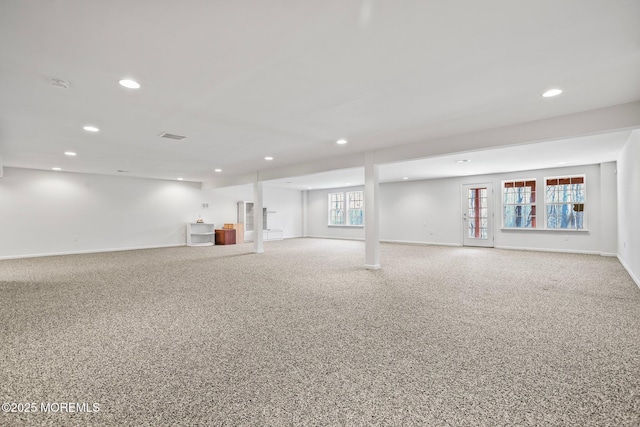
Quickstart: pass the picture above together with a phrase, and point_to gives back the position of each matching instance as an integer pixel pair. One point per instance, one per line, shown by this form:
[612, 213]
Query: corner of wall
[631, 273]
[608, 208]
[628, 176]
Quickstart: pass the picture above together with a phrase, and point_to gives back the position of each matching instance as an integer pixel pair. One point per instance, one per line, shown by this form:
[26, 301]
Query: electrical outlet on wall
[205, 206]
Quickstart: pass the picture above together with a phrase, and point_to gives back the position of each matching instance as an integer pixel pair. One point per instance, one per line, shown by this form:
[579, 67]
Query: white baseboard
[399, 242]
[626, 267]
[515, 248]
[608, 254]
[411, 242]
[89, 251]
[335, 238]
[564, 251]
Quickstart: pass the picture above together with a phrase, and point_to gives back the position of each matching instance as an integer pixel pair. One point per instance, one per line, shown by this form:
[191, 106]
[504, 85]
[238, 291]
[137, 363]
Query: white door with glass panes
[477, 215]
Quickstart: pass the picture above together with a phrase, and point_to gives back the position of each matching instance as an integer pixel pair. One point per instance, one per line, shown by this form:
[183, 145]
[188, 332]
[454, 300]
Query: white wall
[429, 211]
[284, 210]
[284, 207]
[44, 212]
[629, 206]
[421, 211]
[609, 208]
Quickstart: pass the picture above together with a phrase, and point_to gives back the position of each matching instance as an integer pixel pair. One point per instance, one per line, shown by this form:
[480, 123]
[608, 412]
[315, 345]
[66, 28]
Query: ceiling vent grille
[62, 84]
[172, 136]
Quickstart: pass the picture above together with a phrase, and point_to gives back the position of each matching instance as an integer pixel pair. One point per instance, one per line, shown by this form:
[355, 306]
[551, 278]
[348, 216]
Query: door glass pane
[472, 229]
[477, 219]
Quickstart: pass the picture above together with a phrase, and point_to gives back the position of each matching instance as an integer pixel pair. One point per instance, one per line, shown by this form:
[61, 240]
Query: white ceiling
[246, 79]
[551, 154]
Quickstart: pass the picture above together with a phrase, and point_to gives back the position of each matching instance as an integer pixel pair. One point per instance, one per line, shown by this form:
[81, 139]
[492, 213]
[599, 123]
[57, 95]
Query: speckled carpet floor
[303, 335]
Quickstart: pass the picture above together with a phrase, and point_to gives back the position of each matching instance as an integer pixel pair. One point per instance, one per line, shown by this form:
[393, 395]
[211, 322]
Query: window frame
[346, 208]
[330, 209]
[533, 204]
[349, 208]
[584, 202]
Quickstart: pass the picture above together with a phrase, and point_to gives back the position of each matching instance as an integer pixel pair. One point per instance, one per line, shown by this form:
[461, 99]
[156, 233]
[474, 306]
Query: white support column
[371, 220]
[258, 246]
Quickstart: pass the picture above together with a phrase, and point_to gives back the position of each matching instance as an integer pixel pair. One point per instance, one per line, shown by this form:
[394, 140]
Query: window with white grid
[519, 204]
[336, 209]
[565, 202]
[355, 208]
[346, 209]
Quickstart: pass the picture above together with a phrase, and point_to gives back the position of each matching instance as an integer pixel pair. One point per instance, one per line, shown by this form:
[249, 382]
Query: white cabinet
[272, 234]
[200, 234]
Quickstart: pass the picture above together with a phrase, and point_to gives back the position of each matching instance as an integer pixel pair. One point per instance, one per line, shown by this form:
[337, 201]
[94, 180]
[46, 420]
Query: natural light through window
[346, 209]
[478, 220]
[519, 204]
[356, 208]
[336, 208]
[565, 202]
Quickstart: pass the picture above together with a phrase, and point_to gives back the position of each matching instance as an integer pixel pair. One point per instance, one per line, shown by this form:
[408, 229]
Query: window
[350, 214]
[336, 208]
[565, 202]
[356, 208]
[519, 204]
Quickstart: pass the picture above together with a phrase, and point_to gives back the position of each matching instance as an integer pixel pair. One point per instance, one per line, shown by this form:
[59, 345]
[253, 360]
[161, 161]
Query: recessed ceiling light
[70, 153]
[309, 188]
[217, 170]
[90, 128]
[405, 177]
[341, 141]
[463, 161]
[129, 84]
[268, 158]
[57, 169]
[562, 163]
[552, 92]
[180, 179]
[348, 183]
